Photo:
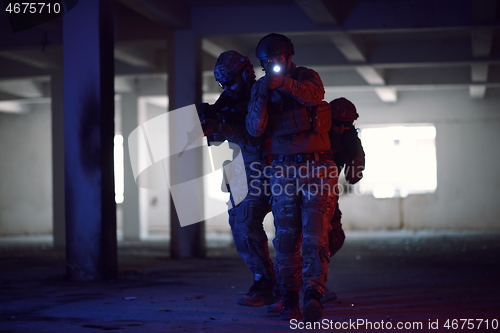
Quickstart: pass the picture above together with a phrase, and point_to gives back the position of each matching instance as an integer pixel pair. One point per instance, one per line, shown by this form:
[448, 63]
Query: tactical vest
[291, 118]
[294, 118]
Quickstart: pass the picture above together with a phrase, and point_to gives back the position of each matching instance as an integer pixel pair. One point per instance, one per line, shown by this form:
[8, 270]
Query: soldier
[287, 104]
[349, 155]
[225, 120]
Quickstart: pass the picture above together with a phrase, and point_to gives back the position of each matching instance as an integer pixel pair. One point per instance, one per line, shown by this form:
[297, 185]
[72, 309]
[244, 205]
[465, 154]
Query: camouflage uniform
[246, 218]
[348, 155]
[300, 215]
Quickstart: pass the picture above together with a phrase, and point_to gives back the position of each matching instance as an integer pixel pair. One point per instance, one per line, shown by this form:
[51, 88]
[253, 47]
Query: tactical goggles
[227, 84]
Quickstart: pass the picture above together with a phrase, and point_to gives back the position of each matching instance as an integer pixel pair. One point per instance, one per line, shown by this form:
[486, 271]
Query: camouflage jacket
[233, 130]
[302, 88]
[349, 154]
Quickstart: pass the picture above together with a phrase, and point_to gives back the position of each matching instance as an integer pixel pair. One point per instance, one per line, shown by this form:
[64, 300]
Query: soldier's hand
[353, 172]
[209, 126]
[274, 81]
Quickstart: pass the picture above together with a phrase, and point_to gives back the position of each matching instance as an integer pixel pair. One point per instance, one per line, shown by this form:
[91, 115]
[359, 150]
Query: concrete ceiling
[380, 47]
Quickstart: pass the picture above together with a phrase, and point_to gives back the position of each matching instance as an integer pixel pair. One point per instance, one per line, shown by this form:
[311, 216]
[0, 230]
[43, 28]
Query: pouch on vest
[292, 119]
[321, 117]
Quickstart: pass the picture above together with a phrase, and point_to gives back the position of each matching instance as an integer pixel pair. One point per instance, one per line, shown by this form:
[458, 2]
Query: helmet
[231, 64]
[343, 110]
[273, 45]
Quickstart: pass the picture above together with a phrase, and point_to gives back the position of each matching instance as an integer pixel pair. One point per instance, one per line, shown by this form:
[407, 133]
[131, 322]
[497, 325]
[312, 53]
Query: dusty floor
[414, 279]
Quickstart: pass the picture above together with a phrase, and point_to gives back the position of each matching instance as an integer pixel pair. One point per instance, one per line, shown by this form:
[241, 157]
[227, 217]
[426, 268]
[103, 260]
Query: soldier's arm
[257, 117]
[352, 144]
[355, 163]
[239, 135]
[307, 89]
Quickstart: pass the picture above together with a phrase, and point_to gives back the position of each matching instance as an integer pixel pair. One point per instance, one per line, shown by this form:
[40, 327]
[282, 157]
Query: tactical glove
[274, 81]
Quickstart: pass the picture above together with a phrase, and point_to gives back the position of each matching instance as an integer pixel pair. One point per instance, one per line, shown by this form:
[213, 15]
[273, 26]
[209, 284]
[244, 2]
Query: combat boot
[277, 306]
[313, 310]
[291, 307]
[330, 296]
[260, 293]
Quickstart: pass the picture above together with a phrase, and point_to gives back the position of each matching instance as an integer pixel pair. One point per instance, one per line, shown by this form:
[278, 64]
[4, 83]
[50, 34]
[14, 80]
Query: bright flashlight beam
[276, 68]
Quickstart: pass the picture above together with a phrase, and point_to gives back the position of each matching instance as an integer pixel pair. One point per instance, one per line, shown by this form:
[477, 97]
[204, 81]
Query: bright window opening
[400, 160]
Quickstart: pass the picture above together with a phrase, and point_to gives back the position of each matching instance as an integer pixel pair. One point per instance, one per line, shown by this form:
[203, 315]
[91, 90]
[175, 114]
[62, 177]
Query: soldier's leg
[336, 239]
[251, 243]
[316, 216]
[318, 206]
[336, 236]
[250, 238]
[287, 221]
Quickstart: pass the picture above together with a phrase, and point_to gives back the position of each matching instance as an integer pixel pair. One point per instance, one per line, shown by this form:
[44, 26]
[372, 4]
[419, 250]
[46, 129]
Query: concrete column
[88, 138]
[57, 123]
[130, 205]
[184, 88]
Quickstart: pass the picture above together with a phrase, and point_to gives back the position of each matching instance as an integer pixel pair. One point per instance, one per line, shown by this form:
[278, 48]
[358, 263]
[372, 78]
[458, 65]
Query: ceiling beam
[406, 87]
[34, 58]
[124, 84]
[217, 43]
[479, 72]
[321, 12]
[211, 48]
[21, 106]
[14, 107]
[25, 88]
[138, 57]
[174, 14]
[387, 94]
[352, 50]
[403, 65]
[477, 91]
[482, 39]
[371, 75]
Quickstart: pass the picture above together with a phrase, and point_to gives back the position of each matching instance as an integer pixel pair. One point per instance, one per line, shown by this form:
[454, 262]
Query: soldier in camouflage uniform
[226, 121]
[303, 184]
[348, 154]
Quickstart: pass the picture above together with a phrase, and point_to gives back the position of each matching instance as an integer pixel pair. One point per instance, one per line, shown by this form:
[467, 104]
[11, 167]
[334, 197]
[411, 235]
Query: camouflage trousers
[246, 221]
[304, 197]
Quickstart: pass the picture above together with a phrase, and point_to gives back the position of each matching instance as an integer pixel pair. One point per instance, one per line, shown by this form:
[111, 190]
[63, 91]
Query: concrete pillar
[88, 138]
[57, 123]
[184, 88]
[130, 205]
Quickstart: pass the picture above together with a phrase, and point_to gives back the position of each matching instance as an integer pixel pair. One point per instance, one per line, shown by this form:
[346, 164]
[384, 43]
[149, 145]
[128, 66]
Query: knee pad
[287, 244]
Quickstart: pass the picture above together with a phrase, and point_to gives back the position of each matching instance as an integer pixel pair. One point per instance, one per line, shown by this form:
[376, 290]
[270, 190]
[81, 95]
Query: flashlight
[273, 68]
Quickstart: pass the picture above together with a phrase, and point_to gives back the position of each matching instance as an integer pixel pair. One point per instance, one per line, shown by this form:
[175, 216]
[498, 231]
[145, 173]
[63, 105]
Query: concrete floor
[381, 278]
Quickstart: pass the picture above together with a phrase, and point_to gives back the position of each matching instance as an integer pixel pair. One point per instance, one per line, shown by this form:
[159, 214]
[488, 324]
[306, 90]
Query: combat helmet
[273, 45]
[231, 64]
[343, 110]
